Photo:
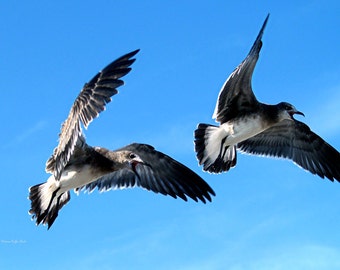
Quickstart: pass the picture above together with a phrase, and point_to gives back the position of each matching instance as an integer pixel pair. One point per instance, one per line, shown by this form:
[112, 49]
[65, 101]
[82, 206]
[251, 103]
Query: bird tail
[211, 149]
[46, 201]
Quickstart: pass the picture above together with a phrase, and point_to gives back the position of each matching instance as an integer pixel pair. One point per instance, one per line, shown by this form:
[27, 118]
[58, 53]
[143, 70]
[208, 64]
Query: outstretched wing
[158, 173]
[87, 106]
[294, 140]
[236, 95]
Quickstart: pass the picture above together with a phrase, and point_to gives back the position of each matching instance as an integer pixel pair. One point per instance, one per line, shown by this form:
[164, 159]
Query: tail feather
[211, 149]
[46, 201]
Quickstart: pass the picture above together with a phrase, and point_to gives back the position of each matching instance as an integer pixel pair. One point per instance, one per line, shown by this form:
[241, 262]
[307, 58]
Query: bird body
[220, 142]
[252, 127]
[76, 165]
[242, 129]
[231, 133]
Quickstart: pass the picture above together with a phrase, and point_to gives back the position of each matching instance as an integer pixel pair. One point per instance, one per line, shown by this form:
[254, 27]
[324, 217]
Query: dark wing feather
[87, 106]
[294, 140]
[159, 173]
[236, 96]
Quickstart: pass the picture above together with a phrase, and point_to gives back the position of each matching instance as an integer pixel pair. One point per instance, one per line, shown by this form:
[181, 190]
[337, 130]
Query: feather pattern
[236, 96]
[87, 106]
[260, 129]
[294, 140]
[158, 173]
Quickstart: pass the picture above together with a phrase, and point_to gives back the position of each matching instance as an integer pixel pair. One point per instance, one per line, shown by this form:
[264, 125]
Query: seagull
[256, 128]
[76, 165]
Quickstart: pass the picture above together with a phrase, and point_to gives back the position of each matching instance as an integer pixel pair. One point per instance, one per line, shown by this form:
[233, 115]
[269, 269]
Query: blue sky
[268, 213]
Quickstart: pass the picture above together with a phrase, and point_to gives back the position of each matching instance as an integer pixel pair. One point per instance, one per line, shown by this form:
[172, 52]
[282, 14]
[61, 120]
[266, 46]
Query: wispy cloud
[246, 246]
[288, 257]
[25, 134]
[134, 249]
[296, 257]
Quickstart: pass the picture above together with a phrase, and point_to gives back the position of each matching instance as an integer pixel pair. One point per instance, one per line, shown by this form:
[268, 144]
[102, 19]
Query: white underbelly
[242, 130]
[77, 177]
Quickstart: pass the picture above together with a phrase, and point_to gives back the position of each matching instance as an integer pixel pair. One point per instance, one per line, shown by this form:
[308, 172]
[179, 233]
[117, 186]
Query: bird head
[130, 159]
[287, 111]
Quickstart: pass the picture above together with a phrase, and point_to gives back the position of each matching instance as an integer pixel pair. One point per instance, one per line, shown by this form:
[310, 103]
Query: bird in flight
[256, 128]
[76, 165]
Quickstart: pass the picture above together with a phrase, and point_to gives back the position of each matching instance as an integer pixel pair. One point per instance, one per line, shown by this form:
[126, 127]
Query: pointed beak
[292, 112]
[298, 112]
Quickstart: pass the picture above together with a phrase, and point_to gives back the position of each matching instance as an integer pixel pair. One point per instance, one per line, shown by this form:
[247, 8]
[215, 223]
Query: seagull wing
[87, 106]
[294, 140]
[236, 95]
[158, 173]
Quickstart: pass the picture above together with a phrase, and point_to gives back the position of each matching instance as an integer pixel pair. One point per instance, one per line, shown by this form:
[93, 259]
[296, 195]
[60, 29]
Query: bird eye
[132, 155]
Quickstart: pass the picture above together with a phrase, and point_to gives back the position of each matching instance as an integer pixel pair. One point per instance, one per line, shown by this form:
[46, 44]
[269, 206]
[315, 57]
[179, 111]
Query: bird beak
[298, 112]
[292, 112]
